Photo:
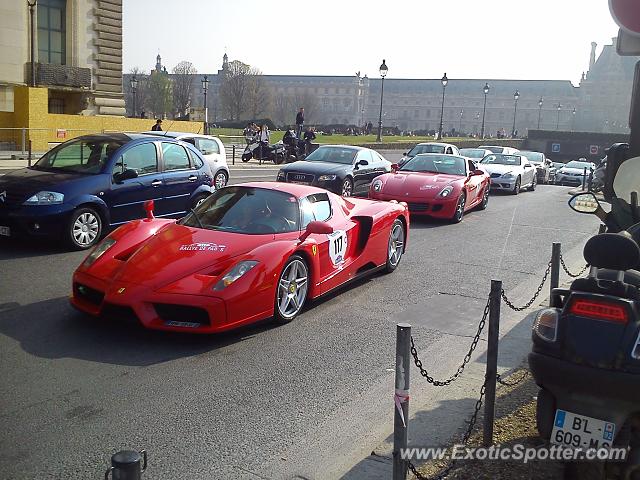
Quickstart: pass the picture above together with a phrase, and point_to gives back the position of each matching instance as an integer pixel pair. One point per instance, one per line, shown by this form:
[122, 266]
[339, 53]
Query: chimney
[592, 58]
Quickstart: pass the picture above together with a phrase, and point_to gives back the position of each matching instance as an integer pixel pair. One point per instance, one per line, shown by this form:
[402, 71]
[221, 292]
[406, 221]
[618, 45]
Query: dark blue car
[87, 185]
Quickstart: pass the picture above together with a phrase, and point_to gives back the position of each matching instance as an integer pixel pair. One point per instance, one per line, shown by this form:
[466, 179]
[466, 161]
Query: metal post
[484, 109]
[29, 157]
[24, 140]
[584, 178]
[32, 6]
[379, 138]
[233, 155]
[401, 399]
[590, 181]
[555, 266]
[492, 362]
[127, 465]
[441, 113]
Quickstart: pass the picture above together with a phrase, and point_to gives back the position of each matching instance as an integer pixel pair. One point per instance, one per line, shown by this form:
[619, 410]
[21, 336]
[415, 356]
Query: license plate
[573, 430]
[300, 183]
[5, 231]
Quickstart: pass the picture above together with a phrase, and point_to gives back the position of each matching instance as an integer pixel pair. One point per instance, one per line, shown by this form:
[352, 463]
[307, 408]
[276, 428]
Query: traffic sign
[626, 14]
[555, 148]
[593, 149]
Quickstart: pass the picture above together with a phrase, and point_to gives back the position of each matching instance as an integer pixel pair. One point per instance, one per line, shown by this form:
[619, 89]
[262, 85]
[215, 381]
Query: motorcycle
[264, 152]
[585, 356]
[295, 148]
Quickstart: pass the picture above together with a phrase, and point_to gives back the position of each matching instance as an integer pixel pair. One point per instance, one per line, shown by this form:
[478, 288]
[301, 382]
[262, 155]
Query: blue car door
[126, 197]
[180, 180]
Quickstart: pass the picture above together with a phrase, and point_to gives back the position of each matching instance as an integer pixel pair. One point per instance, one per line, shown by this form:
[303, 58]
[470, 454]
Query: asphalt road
[262, 402]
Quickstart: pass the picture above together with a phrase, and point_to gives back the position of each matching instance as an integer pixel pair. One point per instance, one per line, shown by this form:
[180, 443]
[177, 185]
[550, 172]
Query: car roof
[431, 154]
[346, 146]
[178, 135]
[437, 143]
[291, 188]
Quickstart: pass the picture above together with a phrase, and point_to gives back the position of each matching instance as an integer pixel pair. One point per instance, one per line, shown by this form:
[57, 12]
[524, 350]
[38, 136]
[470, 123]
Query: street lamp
[558, 121]
[461, 115]
[134, 86]
[444, 81]
[383, 73]
[516, 96]
[205, 87]
[573, 119]
[32, 6]
[539, 110]
[484, 108]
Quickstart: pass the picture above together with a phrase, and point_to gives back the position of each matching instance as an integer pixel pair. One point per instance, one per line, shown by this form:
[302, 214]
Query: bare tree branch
[182, 78]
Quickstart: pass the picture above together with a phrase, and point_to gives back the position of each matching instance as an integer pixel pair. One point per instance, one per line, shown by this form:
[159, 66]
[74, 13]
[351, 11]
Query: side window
[207, 146]
[174, 156]
[472, 166]
[364, 155]
[195, 160]
[449, 151]
[315, 207]
[141, 158]
[306, 213]
[189, 140]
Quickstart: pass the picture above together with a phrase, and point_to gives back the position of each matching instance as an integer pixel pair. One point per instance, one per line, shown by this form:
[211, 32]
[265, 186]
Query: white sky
[514, 39]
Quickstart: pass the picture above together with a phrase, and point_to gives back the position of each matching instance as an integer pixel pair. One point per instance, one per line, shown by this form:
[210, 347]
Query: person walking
[158, 126]
[300, 122]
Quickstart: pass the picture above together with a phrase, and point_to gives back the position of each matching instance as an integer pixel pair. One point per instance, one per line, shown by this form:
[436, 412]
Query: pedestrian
[249, 133]
[300, 122]
[158, 126]
[264, 134]
[309, 136]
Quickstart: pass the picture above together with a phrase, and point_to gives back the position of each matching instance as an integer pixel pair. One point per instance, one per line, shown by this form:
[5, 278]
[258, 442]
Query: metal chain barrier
[513, 383]
[467, 357]
[530, 302]
[572, 275]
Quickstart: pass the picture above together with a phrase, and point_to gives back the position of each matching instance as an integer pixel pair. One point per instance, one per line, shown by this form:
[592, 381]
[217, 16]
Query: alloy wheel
[292, 289]
[347, 188]
[396, 244]
[220, 180]
[85, 229]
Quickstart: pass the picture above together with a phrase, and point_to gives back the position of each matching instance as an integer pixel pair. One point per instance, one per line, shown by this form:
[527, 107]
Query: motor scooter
[586, 346]
[262, 151]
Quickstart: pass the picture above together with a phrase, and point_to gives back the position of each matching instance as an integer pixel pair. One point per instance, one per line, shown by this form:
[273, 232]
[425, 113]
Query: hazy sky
[515, 39]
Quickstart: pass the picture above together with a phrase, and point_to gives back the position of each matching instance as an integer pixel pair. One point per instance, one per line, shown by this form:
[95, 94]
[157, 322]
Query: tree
[141, 92]
[159, 99]
[258, 96]
[182, 78]
[241, 90]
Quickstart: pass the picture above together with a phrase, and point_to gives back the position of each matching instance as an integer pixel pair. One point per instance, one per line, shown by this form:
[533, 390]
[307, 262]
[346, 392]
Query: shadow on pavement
[13, 248]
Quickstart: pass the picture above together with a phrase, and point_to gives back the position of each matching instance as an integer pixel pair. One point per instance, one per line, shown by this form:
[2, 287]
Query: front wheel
[292, 289]
[220, 180]
[485, 199]
[533, 184]
[278, 158]
[459, 213]
[84, 229]
[347, 187]
[395, 247]
[246, 157]
[516, 187]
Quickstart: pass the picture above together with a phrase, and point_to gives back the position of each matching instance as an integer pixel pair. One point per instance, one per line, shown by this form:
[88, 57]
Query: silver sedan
[509, 172]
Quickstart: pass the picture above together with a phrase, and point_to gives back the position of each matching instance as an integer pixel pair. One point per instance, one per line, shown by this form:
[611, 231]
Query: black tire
[347, 187]
[395, 245]
[84, 229]
[282, 317]
[485, 199]
[198, 199]
[278, 159]
[220, 179]
[246, 157]
[516, 187]
[534, 182]
[459, 213]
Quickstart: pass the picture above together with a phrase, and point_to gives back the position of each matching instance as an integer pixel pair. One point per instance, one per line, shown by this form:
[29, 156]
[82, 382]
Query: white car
[474, 154]
[509, 172]
[212, 150]
[500, 149]
[429, 147]
[573, 173]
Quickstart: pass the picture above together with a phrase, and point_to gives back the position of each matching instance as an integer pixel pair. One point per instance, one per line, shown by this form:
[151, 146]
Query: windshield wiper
[193, 212]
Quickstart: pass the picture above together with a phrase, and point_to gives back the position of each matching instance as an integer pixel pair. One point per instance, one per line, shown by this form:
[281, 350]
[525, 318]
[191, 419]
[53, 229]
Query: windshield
[575, 164]
[493, 149]
[499, 159]
[428, 148]
[87, 156]
[251, 211]
[436, 164]
[472, 152]
[343, 155]
[534, 157]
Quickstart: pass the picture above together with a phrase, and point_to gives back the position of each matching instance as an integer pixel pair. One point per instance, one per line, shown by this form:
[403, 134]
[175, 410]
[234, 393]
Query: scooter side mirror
[584, 203]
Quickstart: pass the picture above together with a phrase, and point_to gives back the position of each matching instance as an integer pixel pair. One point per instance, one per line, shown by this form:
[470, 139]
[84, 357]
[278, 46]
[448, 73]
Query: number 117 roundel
[248, 252]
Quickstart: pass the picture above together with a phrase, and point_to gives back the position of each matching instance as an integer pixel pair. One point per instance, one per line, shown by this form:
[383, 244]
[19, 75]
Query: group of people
[256, 133]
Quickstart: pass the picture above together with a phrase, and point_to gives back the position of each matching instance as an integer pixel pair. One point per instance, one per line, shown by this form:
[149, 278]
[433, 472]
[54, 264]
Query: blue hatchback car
[87, 185]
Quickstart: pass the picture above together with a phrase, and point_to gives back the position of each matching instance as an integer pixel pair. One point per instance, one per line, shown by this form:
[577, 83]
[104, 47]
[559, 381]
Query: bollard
[24, 141]
[492, 362]
[29, 157]
[584, 178]
[555, 267]
[401, 399]
[125, 465]
[233, 155]
[590, 181]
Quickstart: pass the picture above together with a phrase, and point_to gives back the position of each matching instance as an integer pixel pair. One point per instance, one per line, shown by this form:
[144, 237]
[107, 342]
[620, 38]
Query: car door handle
[156, 183]
[193, 178]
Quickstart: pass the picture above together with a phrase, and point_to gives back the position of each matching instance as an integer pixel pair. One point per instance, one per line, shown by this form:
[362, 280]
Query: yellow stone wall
[31, 111]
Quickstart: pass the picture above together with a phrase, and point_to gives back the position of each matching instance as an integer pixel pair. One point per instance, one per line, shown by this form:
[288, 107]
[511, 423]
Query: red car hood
[178, 251]
[418, 183]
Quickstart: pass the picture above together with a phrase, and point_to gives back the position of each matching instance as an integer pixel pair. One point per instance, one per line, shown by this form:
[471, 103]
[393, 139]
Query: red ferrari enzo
[247, 253]
[434, 185]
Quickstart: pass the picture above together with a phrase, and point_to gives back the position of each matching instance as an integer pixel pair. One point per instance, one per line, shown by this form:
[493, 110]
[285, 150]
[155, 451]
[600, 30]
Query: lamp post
[558, 121]
[540, 110]
[32, 7]
[516, 96]
[461, 115]
[205, 87]
[444, 81]
[383, 73]
[134, 86]
[573, 119]
[484, 108]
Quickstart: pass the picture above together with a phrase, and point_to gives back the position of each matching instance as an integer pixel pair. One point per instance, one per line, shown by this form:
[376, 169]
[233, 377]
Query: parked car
[500, 149]
[429, 147]
[341, 169]
[555, 166]
[573, 173]
[509, 172]
[86, 185]
[435, 185]
[212, 151]
[474, 154]
[541, 162]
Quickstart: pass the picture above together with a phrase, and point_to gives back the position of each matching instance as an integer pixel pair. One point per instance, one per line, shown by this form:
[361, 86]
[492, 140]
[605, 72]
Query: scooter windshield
[627, 180]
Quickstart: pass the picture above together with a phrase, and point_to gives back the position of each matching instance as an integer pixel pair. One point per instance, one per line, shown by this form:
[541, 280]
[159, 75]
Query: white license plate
[579, 431]
[5, 231]
[300, 183]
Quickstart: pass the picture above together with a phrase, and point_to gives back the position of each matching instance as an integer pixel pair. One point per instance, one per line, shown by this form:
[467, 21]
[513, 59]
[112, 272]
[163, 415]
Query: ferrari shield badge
[337, 246]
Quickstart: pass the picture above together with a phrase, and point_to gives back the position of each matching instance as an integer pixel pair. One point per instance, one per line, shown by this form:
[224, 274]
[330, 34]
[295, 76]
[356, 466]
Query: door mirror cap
[584, 203]
[128, 174]
[395, 167]
[527, 165]
[316, 227]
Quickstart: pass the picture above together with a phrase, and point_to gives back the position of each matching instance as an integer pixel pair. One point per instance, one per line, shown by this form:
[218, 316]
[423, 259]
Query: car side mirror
[477, 171]
[128, 174]
[316, 227]
[527, 165]
[362, 162]
[404, 154]
[395, 167]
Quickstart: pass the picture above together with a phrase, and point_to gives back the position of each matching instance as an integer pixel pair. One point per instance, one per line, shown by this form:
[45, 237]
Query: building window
[51, 31]
[428, 113]
[416, 113]
[56, 105]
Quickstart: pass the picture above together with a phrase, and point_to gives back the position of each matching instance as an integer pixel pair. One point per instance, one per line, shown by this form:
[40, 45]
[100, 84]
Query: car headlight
[45, 198]
[97, 252]
[446, 191]
[545, 325]
[507, 175]
[377, 185]
[235, 273]
[281, 176]
[326, 178]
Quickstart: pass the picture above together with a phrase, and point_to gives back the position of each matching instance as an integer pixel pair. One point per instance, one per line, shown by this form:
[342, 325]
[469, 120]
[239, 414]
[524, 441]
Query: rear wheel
[84, 228]
[533, 183]
[292, 289]
[459, 213]
[516, 187]
[395, 247]
[485, 199]
[347, 187]
[246, 157]
[278, 158]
